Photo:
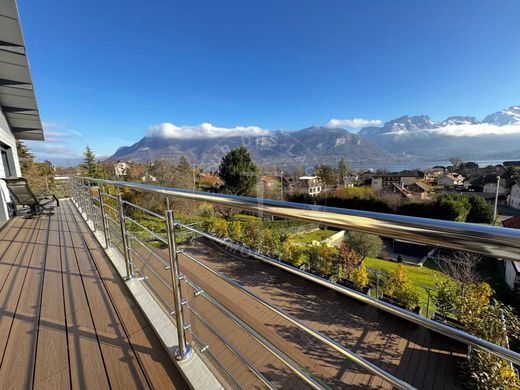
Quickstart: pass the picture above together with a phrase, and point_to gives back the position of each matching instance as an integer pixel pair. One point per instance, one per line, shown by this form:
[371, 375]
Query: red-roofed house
[512, 268]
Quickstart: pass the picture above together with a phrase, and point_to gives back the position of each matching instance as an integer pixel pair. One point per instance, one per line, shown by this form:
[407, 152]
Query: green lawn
[316, 235]
[421, 277]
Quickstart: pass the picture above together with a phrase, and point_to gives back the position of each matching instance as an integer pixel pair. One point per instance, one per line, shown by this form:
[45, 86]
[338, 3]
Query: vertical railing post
[184, 351]
[104, 220]
[124, 237]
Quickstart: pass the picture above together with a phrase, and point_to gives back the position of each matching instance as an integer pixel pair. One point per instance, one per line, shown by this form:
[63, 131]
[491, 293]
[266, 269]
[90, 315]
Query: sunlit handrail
[478, 238]
[486, 240]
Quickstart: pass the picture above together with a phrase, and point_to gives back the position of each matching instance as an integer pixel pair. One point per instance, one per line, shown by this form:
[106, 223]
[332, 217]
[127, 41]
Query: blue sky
[106, 71]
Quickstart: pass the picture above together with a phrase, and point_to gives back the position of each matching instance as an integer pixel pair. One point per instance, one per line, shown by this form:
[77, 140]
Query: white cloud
[355, 123]
[204, 130]
[464, 130]
[478, 129]
[52, 151]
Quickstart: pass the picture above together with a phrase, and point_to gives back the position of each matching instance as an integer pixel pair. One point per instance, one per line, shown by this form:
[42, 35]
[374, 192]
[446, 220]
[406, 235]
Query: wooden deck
[420, 357]
[66, 319]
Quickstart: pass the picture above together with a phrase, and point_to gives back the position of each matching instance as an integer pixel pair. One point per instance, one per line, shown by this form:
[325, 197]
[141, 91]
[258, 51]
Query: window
[8, 170]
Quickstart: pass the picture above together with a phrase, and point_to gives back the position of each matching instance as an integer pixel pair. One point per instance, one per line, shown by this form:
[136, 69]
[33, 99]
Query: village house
[451, 180]
[514, 194]
[121, 169]
[381, 181]
[489, 185]
[148, 178]
[511, 269]
[311, 185]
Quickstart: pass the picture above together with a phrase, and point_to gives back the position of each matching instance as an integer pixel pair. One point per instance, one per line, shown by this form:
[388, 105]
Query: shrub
[360, 277]
[347, 261]
[235, 230]
[480, 210]
[407, 296]
[253, 234]
[446, 297]
[451, 207]
[320, 258]
[221, 228]
[298, 257]
[400, 288]
[270, 243]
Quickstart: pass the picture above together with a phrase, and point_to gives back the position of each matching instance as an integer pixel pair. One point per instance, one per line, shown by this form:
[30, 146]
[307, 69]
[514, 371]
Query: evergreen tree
[90, 165]
[238, 172]
[342, 168]
[25, 156]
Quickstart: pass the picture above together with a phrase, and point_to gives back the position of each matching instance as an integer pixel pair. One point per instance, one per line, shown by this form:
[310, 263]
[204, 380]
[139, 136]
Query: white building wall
[510, 273]
[514, 200]
[7, 138]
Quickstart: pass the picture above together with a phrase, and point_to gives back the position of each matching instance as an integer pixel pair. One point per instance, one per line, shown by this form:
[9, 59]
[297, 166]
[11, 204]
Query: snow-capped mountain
[460, 120]
[497, 134]
[509, 116]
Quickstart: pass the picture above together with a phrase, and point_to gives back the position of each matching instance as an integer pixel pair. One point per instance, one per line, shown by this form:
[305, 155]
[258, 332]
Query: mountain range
[405, 138]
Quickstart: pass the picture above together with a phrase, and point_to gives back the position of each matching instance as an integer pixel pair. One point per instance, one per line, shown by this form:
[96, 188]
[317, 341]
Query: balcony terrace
[67, 320]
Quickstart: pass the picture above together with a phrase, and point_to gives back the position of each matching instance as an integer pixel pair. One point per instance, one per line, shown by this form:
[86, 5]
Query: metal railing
[107, 211]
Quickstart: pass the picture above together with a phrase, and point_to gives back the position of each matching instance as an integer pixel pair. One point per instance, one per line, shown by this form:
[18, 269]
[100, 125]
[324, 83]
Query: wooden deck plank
[86, 362]
[20, 350]
[52, 369]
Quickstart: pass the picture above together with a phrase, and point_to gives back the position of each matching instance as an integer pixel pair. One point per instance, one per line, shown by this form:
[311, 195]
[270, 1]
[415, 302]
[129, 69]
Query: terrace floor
[421, 357]
[66, 319]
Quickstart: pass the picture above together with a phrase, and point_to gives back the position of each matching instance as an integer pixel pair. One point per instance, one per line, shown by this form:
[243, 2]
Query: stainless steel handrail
[438, 327]
[233, 350]
[144, 210]
[152, 233]
[357, 359]
[486, 240]
[290, 363]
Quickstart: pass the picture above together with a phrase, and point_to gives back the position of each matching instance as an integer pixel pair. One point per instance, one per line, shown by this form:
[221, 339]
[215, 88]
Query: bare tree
[460, 265]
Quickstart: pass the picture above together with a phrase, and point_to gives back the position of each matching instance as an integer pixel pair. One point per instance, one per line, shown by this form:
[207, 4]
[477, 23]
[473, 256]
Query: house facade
[311, 185]
[19, 116]
[382, 181]
[514, 195]
[451, 180]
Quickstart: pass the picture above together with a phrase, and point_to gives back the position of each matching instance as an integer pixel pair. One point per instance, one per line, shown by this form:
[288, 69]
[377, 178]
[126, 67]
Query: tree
[327, 173]
[342, 168]
[90, 165]
[451, 207]
[456, 161]
[238, 172]
[366, 245]
[25, 156]
[480, 211]
[184, 174]
[460, 266]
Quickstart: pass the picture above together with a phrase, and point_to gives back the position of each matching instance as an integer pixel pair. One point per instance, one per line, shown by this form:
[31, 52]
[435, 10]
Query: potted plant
[447, 300]
[400, 292]
[360, 279]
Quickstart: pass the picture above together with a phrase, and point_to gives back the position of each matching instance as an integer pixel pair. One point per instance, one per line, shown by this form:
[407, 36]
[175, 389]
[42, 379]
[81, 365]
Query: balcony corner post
[184, 351]
[103, 218]
[124, 237]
